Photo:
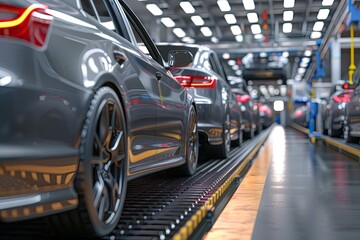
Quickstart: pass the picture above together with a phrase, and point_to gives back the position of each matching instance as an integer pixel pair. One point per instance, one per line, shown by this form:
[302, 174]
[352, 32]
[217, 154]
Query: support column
[335, 60]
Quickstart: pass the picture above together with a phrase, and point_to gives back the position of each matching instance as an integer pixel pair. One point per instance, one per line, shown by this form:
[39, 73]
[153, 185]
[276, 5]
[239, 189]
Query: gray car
[218, 112]
[84, 111]
[352, 117]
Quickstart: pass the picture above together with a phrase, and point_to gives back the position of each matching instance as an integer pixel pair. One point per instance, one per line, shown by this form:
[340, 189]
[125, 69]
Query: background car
[300, 116]
[352, 117]
[266, 115]
[250, 123]
[84, 111]
[218, 113]
[334, 112]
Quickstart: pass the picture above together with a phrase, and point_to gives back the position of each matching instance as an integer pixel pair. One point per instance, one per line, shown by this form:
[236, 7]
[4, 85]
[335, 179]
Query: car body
[218, 113]
[84, 111]
[250, 119]
[352, 117]
[334, 112]
[300, 116]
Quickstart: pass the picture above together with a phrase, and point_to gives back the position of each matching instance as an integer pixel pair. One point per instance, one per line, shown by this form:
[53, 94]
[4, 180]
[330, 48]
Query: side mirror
[180, 58]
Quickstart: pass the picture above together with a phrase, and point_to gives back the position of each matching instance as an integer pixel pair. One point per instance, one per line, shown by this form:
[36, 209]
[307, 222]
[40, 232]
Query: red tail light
[242, 98]
[30, 24]
[197, 81]
[342, 98]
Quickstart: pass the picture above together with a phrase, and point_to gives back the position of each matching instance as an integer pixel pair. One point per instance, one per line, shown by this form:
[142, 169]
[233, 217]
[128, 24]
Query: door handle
[158, 75]
[120, 57]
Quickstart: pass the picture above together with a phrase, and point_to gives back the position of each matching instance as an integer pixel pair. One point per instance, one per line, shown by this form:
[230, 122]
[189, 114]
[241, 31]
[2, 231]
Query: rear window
[165, 49]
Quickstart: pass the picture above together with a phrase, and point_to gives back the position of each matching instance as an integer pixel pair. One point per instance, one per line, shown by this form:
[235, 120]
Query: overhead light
[287, 27]
[303, 65]
[315, 35]
[168, 22]
[249, 4]
[179, 32]
[279, 105]
[305, 60]
[154, 9]
[238, 72]
[285, 54]
[206, 31]
[214, 39]
[239, 38]
[224, 5]
[231, 62]
[255, 29]
[235, 29]
[187, 7]
[301, 70]
[288, 15]
[188, 40]
[323, 14]
[298, 77]
[307, 53]
[327, 2]
[226, 55]
[230, 18]
[235, 67]
[263, 54]
[252, 17]
[197, 20]
[258, 36]
[289, 3]
[318, 26]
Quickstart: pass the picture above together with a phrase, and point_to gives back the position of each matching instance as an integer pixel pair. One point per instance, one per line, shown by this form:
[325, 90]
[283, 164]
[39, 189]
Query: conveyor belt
[166, 206]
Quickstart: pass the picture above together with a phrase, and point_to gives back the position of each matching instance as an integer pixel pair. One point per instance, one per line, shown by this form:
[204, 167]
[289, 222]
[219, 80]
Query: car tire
[192, 145]
[239, 141]
[346, 131]
[249, 135]
[222, 150]
[101, 179]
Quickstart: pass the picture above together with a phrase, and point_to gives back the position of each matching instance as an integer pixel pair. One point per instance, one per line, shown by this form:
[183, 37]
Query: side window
[98, 9]
[213, 65]
[139, 40]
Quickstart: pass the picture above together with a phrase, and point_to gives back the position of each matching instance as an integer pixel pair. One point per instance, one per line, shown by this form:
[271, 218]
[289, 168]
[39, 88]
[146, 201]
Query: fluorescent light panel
[287, 27]
[230, 18]
[197, 20]
[224, 5]
[168, 22]
[252, 17]
[323, 14]
[179, 32]
[258, 36]
[236, 30]
[206, 31]
[188, 40]
[154, 9]
[249, 4]
[255, 29]
[288, 15]
[318, 26]
[187, 7]
[327, 2]
[226, 55]
[289, 3]
[315, 35]
[307, 53]
[239, 38]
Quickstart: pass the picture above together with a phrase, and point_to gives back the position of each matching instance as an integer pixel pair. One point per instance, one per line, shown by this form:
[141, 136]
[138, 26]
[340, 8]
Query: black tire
[333, 133]
[192, 145]
[222, 150]
[101, 179]
[346, 131]
[239, 141]
[249, 135]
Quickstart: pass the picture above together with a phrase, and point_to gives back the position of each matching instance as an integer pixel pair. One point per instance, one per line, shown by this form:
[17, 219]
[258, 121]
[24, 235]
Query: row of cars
[88, 103]
[340, 113]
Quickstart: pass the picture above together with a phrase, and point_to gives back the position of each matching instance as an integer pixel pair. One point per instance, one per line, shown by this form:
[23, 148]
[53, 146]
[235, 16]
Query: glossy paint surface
[353, 113]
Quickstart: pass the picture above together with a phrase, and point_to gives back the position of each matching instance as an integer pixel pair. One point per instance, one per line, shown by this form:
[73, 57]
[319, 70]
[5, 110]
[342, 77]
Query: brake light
[242, 98]
[197, 81]
[342, 98]
[30, 24]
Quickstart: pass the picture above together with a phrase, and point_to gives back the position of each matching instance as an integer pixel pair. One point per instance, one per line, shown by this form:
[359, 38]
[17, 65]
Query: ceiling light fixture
[154, 9]
[231, 62]
[285, 54]
[187, 7]
[197, 20]
[288, 15]
[206, 31]
[307, 53]
[301, 70]
[255, 29]
[230, 18]
[327, 2]
[224, 5]
[323, 14]
[249, 4]
[305, 60]
[287, 27]
[179, 32]
[226, 55]
[318, 26]
[315, 35]
[289, 3]
[235, 29]
[252, 17]
[188, 40]
[214, 39]
[258, 36]
[168, 22]
[239, 38]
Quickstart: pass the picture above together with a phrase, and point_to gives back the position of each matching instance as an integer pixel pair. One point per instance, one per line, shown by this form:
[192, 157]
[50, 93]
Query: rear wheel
[222, 150]
[192, 145]
[348, 138]
[239, 141]
[101, 180]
